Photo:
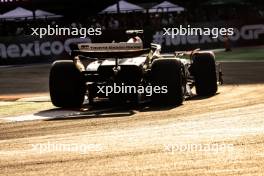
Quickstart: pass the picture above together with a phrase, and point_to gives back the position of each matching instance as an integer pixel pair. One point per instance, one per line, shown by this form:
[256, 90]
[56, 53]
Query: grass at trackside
[241, 54]
[20, 108]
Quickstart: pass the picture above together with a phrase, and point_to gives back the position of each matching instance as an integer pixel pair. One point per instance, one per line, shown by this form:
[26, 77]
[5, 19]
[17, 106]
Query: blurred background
[17, 46]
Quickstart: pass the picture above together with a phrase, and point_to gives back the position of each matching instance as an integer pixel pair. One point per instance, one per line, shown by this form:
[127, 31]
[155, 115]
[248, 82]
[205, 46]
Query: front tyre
[204, 72]
[67, 87]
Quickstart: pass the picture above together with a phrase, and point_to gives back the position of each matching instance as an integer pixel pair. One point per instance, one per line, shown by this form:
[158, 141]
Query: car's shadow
[100, 110]
[104, 109]
[197, 97]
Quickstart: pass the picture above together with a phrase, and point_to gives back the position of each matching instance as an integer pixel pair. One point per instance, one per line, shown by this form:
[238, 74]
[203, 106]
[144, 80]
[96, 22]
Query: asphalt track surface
[219, 135]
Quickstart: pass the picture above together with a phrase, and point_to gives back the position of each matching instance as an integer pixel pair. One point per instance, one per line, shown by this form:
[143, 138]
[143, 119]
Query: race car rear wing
[109, 50]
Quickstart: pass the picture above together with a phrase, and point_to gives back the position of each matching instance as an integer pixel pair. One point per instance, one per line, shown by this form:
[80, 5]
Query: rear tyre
[67, 87]
[204, 72]
[169, 73]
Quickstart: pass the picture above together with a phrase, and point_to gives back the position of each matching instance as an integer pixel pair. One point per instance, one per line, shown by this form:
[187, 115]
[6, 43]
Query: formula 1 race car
[125, 72]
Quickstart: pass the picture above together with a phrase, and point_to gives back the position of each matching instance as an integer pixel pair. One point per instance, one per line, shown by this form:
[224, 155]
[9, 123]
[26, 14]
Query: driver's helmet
[135, 39]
